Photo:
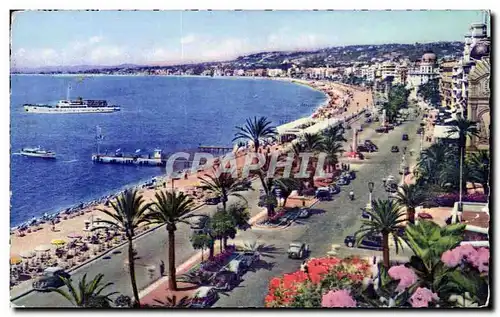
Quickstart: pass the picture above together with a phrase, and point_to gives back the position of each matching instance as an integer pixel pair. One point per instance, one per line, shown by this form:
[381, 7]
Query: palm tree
[385, 219]
[171, 208]
[335, 132]
[172, 302]
[433, 159]
[256, 131]
[129, 212]
[222, 186]
[87, 294]
[479, 163]
[332, 148]
[286, 186]
[410, 197]
[465, 129]
[311, 142]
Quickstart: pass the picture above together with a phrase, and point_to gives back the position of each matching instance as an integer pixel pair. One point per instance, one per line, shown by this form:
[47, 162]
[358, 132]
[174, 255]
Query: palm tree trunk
[202, 249]
[172, 282]
[131, 268]
[385, 249]
[410, 215]
[284, 201]
[225, 242]
[211, 251]
[220, 245]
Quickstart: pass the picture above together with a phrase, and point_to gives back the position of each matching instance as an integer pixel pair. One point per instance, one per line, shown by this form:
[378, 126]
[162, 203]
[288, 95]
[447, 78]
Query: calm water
[172, 113]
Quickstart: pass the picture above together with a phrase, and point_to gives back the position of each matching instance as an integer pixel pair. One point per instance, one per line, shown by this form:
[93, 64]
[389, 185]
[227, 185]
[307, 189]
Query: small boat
[38, 152]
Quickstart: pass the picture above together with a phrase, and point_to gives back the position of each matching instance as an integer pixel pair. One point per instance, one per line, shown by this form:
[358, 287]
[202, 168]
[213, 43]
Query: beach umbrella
[27, 254]
[58, 242]
[43, 248]
[74, 235]
[15, 260]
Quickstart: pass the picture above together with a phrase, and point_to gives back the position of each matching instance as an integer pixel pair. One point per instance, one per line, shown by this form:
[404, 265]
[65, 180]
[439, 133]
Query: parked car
[304, 213]
[342, 181]
[371, 144]
[377, 119]
[334, 189]
[212, 200]
[367, 114]
[368, 241]
[248, 258]
[204, 297]
[381, 130]
[51, 279]
[237, 266]
[364, 214]
[391, 187]
[363, 148]
[405, 137]
[323, 195]
[420, 130]
[298, 250]
[369, 120]
[394, 149]
[349, 175]
[226, 280]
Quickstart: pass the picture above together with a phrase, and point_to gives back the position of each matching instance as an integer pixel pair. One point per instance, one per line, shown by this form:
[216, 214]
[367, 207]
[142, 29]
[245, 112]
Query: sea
[166, 112]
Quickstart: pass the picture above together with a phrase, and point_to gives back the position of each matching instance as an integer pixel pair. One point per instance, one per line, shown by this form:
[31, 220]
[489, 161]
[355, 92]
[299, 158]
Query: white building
[424, 71]
[275, 72]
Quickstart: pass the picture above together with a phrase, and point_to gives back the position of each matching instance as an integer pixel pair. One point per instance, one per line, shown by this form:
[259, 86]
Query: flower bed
[448, 200]
[292, 289]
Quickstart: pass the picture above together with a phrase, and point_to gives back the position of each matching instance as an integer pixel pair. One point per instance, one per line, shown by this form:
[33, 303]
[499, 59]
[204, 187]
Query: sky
[68, 38]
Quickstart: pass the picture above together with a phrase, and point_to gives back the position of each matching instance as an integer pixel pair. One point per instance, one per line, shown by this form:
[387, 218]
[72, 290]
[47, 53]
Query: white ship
[73, 106]
[38, 152]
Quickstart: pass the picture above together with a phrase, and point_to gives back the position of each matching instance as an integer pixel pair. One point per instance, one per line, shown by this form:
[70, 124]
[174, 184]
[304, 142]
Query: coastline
[59, 210]
[76, 220]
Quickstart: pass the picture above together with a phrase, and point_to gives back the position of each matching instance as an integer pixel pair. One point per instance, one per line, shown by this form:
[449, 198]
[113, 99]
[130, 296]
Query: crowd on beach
[68, 249]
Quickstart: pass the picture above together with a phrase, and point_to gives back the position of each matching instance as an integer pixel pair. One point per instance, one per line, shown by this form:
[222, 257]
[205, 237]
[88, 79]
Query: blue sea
[171, 113]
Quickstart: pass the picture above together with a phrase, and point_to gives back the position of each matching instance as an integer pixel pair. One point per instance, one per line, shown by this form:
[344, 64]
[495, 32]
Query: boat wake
[70, 161]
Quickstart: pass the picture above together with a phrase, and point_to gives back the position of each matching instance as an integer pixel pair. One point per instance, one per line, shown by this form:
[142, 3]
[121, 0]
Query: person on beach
[53, 223]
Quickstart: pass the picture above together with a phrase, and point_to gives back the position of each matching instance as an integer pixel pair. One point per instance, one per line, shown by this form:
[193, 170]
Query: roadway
[320, 231]
[335, 220]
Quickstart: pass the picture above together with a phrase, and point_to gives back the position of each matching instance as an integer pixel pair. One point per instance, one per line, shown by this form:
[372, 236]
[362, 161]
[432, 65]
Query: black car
[367, 114]
[323, 195]
[420, 130]
[368, 241]
[405, 137]
[226, 280]
[369, 120]
[51, 279]
[394, 149]
[212, 201]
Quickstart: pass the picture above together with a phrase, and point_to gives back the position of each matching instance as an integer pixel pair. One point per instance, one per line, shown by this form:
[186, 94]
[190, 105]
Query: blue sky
[47, 38]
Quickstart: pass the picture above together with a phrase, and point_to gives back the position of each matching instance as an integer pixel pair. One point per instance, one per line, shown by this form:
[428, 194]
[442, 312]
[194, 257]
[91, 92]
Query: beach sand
[76, 224]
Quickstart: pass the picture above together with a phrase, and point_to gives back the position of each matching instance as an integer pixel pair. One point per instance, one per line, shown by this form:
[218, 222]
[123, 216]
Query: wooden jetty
[214, 149]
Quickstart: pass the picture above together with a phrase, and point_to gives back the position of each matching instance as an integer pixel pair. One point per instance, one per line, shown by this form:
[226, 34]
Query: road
[335, 220]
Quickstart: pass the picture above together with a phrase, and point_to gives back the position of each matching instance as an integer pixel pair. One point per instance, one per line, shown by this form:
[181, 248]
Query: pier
[214, 149]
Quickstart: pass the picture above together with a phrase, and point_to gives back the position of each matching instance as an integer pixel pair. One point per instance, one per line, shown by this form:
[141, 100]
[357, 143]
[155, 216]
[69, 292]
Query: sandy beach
[343, 101]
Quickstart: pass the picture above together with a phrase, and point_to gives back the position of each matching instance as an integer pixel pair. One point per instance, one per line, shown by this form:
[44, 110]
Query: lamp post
[371, 185]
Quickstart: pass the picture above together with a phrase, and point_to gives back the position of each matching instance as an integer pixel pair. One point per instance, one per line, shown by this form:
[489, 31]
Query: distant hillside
[331, 56]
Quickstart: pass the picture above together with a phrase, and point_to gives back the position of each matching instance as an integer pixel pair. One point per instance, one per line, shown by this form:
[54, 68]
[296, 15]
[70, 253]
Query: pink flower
[340, 298]
[480, 260]
[422, 297]
[451, 258]
[405, 276]
[466, 250]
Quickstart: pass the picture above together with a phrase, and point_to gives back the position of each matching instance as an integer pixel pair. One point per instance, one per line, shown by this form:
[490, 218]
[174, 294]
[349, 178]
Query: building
[424, 70]
[446, 84]
[478, 103]
[388, 69]
[401, 74]
[275, 72]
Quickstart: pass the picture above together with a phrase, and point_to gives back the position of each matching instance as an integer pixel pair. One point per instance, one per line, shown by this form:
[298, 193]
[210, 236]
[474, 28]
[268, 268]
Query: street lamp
[370, 189]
